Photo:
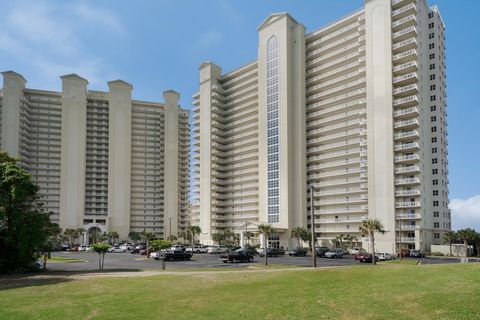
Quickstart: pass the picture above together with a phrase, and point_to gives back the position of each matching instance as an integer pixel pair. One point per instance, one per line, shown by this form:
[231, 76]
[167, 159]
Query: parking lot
[200, 261]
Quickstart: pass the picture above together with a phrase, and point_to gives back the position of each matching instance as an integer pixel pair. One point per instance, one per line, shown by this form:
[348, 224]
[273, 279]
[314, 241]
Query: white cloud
[48, 39]
[466, 213]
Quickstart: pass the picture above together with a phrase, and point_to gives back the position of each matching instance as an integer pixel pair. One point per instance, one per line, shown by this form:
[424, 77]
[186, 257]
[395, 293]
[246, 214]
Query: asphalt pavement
[130, 261]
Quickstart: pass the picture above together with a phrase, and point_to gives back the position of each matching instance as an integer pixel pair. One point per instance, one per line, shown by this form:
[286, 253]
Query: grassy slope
[382, 292]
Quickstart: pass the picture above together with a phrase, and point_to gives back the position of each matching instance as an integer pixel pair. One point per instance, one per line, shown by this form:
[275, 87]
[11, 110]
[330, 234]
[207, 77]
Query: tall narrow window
[273, 156]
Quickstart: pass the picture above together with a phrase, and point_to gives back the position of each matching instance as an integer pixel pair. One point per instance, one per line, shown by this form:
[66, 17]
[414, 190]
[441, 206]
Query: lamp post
[170, 228]
[312, 222]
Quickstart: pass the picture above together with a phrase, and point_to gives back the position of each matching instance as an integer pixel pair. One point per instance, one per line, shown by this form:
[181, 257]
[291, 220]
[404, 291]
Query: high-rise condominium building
[355, 109]
[102, 160]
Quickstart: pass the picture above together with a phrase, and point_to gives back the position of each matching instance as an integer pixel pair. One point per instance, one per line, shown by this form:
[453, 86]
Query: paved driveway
[200, 261]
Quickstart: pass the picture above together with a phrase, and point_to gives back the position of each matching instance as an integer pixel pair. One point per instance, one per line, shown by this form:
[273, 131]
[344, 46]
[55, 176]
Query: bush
[437, 254]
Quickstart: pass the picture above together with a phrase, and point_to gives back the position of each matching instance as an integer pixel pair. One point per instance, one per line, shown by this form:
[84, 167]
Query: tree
[368, 228]
[80, 232]
[22, 218]
[193, 231]
[349, 240]
[218, 237]
[53, 233]
[450, 237]
[266, 230]
[172, 237]
[299, 233]
[467, 235]
[113, 235]
[134, 236]
[249, 235]
[101, 248]
[72, 234]
[147, 236]
[159, 245]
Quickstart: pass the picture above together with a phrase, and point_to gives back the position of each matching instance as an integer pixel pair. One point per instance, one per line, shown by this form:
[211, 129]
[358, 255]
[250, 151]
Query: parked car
[127, 246]
[298, 252]
[403, 253]
[239, 255]
[116, 250]
[199, 248]
[355, 250]
[320, 251]
[137, 249]
[176, 255]
[272, 252]
[82, 248]
[365, 257]
[416, 254]
[334, 254]
[216, 250]
[383, 256]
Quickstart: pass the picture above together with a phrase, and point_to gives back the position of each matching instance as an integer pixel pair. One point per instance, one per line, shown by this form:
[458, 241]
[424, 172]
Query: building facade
[356, 110]
[102, 161]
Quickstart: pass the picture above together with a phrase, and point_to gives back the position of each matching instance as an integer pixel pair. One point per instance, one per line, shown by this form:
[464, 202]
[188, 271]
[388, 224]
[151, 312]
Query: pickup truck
[238, 255]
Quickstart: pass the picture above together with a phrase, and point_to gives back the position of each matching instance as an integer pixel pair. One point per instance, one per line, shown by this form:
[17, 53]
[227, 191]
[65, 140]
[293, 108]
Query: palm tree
[299, 234]
[368, 228]
[80, 232]
[134, 236]
[147, 236]
[72, 234]
[467, 235]
[450, 237]
[266, 230]
[249, 235]
[218, 237]
[193, 231]
[112, 235]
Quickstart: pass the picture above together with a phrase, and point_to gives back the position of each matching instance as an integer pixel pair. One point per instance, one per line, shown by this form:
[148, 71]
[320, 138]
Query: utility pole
[312, 221]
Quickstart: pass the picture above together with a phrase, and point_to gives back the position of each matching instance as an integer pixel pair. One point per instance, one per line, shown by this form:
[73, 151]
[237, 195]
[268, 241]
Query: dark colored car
[178, 255]
[320, 251]
[272, 252]
[298, 252]
[237, 255]
[416, 254]
[365, 257]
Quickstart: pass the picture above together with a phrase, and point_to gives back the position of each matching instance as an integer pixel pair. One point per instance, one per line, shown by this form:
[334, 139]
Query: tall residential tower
[355, 110]
[102, 160]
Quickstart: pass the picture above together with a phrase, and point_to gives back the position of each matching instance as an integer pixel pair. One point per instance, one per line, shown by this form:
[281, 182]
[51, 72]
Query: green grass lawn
[58, 259]
[388, 291]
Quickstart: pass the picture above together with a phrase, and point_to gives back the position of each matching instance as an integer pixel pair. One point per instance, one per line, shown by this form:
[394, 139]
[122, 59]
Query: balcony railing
[407, 181]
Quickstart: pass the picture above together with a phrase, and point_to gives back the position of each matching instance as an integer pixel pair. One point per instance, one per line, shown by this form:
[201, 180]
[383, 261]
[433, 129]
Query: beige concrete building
[355, 109]
[102, 160]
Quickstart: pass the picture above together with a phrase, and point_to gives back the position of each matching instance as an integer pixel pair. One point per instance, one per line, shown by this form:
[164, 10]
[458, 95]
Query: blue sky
[158, 45]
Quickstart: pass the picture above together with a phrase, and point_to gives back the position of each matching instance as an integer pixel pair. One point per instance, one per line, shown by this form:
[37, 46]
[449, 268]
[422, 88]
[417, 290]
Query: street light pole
[170, 228]
[312, 221]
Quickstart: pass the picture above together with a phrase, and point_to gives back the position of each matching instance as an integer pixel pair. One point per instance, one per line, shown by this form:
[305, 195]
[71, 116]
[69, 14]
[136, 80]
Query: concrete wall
[171, 194]
[73, 151]
[458, 250]
[119, 152]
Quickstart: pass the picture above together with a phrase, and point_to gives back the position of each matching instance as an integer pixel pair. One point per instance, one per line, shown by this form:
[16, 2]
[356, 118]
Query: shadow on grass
[42, 278]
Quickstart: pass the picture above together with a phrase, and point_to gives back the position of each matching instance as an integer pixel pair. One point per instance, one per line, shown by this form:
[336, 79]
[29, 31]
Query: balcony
[413, 134]
[404, 45]
[407, 227]
[405, 90]
[407, 193]
[404, 22]
[409, 204]
[405, 56]
[408, 169]
[407, 239]
[398, 3]
[407, 181]
[411, 146]
[405, 33]
[406, 102]
[404, 11]
[406, 113]
[412, 123]
[405, 79]
[408, 216]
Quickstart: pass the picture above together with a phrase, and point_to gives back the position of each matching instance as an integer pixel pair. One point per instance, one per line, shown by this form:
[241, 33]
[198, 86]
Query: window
[431, 56]
[434, 160]
[434, 150]
[433, 98]
[432, 77]
[435, 182]
[436, 235]
[432, 66]
[434, 139]
[433, 108]
[436, 225]
[431, 46]
[431, 25]
[434, 129]
[435, 203]
[435, 171]
[435, 192]
[431, 35]
[436, 214]
[433, 118]
[430, 15]
[432, 87]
